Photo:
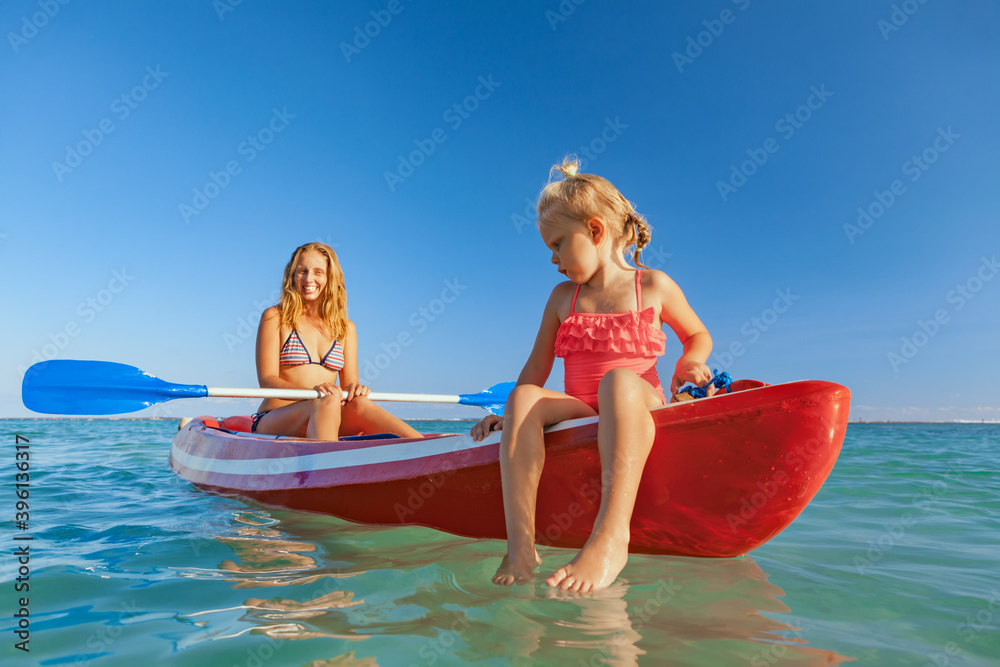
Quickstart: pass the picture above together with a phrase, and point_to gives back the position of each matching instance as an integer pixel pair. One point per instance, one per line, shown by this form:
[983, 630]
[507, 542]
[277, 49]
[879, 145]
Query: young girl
[306, 341]
[605, 323]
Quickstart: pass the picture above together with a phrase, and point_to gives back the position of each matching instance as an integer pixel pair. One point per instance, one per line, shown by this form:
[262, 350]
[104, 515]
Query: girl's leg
[360, 414]
[624, 438]
[528, 411]
[318, 419]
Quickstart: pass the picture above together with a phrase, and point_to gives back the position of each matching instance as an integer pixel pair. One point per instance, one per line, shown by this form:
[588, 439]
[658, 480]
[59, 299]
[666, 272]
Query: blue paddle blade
[492, 399]
[70, 387]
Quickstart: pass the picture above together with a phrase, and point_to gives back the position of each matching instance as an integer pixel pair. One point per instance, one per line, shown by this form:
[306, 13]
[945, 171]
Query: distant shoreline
[173, 419]
[470, 419]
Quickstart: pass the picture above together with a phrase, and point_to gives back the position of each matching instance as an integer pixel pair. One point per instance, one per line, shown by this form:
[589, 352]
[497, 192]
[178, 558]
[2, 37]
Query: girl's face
[574, 246]
[310, 276]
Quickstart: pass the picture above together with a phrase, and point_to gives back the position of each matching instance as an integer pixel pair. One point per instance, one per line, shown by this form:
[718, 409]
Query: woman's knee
[328, 406]
[358, 406]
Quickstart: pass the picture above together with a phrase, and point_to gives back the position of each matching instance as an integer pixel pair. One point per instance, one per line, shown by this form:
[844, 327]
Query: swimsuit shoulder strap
[572, 307]
[638, 291]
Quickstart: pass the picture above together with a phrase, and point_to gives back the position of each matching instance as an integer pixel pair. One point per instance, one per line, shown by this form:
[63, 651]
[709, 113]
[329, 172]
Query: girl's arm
[539, 364]
[350, 379]
[268, 350]
[676, 313]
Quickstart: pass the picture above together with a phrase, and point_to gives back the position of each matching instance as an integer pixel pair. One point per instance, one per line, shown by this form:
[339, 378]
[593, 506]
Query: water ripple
[130, 564]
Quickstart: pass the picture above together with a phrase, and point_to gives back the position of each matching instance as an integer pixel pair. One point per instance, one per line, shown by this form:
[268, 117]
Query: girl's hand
[356, 391]
[695, 372]
[483, 428]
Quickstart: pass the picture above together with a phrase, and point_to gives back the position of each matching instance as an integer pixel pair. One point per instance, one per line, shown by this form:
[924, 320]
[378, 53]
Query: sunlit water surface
[895, 562]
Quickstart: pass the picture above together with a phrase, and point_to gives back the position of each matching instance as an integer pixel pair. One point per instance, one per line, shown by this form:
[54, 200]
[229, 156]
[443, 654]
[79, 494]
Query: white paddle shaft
[300, 394]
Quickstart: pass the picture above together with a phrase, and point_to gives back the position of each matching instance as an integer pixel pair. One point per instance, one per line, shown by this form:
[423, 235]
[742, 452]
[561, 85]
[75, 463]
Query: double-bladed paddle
[71, 387]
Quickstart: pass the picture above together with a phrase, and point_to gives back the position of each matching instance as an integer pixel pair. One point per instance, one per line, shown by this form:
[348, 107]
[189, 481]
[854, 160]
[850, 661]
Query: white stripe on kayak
[388, 453]
[368, 455]
[404, 451]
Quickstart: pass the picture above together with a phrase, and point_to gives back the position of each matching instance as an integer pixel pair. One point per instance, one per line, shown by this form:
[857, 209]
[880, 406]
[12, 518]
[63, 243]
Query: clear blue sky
[748, 133]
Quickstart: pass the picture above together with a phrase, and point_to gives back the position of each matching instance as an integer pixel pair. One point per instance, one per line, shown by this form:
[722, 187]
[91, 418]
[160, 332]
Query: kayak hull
[725, 474]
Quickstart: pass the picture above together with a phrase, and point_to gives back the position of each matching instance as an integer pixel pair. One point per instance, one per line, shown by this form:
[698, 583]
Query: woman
[307, 341]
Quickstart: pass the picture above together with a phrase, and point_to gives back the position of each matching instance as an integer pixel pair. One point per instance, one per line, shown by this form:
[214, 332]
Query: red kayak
[726, 473]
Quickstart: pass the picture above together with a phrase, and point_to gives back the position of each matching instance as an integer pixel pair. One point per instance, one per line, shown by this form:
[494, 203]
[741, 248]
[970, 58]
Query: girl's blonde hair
[333, 306]
[585, 196]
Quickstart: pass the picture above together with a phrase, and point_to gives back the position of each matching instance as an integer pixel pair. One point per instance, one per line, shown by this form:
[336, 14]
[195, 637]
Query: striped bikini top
[294, 353]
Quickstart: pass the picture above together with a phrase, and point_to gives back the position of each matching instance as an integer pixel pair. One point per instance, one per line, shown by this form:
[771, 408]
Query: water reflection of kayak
[726, 473]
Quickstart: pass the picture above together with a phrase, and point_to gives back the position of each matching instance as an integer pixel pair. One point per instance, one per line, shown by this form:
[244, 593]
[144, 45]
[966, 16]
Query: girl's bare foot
[596, 566]
[516, 570]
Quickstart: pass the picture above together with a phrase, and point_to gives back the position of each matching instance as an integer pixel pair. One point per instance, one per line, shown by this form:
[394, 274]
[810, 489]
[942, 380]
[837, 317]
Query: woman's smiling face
[310, 275]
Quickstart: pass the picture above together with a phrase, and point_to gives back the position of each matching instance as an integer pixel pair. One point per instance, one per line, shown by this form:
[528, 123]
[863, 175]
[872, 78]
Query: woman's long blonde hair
[333, 307]
[584, 196]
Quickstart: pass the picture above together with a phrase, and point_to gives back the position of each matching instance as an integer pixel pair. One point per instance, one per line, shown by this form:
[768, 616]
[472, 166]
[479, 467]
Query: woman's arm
[350, 379]
[268, 350]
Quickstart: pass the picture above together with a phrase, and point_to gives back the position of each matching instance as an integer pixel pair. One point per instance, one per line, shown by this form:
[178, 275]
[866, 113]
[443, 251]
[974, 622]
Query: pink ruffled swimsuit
[591, 344]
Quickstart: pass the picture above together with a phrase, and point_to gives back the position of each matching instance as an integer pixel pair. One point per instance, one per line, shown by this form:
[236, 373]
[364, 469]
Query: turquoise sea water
[895, 562]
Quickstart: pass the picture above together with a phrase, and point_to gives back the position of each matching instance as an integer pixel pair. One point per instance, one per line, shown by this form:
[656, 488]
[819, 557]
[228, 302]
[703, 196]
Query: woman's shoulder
[269, 327]
[272, 314]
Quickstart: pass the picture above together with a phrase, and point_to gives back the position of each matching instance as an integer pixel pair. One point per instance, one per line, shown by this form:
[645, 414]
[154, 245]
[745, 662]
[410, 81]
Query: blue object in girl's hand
[719, 380]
